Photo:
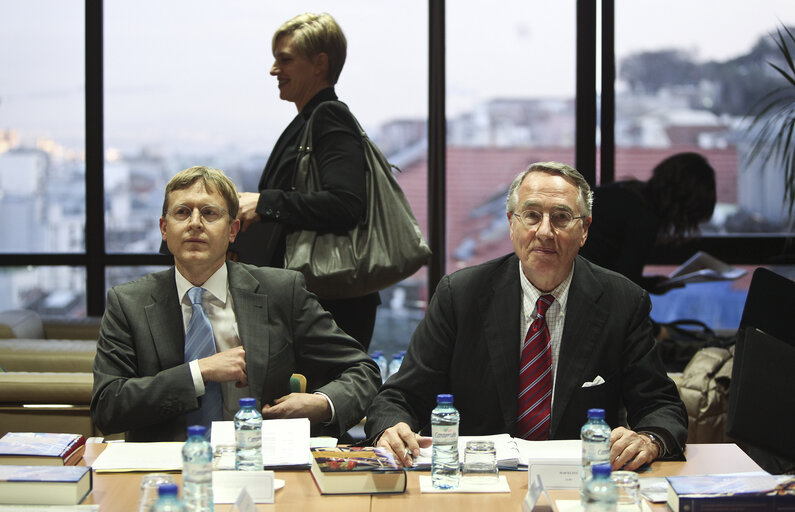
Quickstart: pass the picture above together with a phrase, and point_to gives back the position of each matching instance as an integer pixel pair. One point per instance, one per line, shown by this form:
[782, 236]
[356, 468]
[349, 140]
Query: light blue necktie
[199, 343]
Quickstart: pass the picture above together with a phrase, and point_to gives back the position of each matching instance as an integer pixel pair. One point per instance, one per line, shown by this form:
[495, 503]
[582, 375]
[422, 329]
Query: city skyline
[199, 77]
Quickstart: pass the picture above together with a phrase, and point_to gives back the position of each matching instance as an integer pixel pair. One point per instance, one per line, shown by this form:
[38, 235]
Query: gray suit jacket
[143, 386]
[468, 345]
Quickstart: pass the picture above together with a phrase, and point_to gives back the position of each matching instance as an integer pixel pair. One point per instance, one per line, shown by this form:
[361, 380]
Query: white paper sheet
[128, 457]
[285, 442]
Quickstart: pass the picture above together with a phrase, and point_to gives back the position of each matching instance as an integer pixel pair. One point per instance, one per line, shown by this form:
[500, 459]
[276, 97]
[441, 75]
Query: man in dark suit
[590, 326]
[264, 326]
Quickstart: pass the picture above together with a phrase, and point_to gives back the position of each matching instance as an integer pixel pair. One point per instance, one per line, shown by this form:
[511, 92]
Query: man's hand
[247, 213]
[226, 366]
[404, 443]
[630, 450]
[299, 405]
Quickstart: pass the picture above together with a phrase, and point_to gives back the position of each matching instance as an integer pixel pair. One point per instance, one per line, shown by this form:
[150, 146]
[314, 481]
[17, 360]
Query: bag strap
[690, 322]
[305, 142]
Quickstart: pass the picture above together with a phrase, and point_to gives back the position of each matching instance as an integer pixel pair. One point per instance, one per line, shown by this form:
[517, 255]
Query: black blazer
[338, 207]
[468, 345]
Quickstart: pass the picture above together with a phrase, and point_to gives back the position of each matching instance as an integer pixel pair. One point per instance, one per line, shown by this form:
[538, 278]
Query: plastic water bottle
[248, 436]
[383, 365]
[167, 500]
[601, 494]
[595, 435]
[197, 471]
[394, 365]
[445, 471]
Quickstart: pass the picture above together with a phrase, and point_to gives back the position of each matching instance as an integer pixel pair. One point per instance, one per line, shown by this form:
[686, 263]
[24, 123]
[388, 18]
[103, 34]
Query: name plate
[555, 476]
[228, 484]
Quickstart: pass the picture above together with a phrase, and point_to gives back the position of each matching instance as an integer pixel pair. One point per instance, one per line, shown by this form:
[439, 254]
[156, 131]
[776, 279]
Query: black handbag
[383, 249]
[680, 340]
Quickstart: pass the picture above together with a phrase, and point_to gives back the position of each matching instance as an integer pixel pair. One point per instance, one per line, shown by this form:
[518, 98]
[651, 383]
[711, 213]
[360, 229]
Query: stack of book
[41, 449]
[40, 469]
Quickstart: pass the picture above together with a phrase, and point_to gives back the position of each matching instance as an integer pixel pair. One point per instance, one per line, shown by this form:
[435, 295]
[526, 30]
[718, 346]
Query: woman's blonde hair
[314, 34]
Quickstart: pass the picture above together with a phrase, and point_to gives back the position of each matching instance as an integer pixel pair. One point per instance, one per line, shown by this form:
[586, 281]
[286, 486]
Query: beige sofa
[47, 379]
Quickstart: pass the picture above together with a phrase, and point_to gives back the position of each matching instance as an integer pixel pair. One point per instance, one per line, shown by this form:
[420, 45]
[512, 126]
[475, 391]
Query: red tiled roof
[476, 175]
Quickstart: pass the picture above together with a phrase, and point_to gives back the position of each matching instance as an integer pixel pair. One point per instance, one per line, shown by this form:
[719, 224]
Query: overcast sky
[194, 73]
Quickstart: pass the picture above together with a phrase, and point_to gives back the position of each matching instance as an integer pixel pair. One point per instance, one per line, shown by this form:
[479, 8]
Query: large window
[685, 83]
[42, 140]
[186, 82]
[510, 102]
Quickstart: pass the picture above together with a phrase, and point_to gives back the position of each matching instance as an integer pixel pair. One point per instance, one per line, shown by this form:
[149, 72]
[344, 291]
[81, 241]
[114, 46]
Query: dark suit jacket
[338, 207]
[624, 230]
[143, 386]
[468, 345]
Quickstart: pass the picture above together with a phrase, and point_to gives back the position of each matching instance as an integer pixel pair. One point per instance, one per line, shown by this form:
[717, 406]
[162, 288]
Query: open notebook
[515, 453]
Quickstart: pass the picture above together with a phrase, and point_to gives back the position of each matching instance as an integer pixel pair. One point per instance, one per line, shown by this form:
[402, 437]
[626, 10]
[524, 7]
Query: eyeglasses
[209, 213]
[561, 220]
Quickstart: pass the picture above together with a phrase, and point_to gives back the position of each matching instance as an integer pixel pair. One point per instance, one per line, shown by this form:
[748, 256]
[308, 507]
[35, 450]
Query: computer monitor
[769, 305]
[761, 401]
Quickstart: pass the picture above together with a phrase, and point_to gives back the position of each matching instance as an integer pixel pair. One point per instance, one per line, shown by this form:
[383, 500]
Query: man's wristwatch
[657, 441]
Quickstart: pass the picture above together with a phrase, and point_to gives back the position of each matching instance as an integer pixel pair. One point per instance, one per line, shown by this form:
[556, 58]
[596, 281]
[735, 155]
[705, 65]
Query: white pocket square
[597, 381]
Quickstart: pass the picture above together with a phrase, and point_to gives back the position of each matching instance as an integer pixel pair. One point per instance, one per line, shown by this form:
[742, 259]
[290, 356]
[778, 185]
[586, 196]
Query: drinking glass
[628, 490]
[480, 463]
[149, 489]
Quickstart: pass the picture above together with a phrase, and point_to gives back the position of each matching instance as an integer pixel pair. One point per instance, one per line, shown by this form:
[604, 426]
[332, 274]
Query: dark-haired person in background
[632, 217]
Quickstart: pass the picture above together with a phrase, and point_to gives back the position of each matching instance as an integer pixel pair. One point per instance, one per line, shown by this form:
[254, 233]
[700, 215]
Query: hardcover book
[758, 491]
[353, 470]
[44, 485]
[41, 449]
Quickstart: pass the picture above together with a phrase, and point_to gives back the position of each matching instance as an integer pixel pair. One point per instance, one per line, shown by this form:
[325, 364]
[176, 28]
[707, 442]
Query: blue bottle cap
[596, 413]
[601, 470]
[248, 402]
[444, 399]
[197, 430]
[166, 489]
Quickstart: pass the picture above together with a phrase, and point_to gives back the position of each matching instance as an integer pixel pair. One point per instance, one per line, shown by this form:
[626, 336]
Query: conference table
[118, 492]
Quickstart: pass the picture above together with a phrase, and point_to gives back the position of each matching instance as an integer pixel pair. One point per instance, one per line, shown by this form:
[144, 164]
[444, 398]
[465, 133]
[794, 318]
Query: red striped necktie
[535, 377]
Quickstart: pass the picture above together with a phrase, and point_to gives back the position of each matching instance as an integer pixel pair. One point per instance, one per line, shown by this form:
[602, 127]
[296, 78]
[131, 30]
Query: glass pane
[49, 291]
[685, 82]
[510, 102]
[187, 83]
[42, 129]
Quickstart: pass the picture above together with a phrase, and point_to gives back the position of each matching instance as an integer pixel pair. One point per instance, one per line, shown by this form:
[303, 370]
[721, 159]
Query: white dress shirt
[556, 315]
[219, 307]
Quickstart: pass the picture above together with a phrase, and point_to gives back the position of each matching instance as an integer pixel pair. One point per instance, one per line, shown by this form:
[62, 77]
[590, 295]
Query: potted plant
[773, 122]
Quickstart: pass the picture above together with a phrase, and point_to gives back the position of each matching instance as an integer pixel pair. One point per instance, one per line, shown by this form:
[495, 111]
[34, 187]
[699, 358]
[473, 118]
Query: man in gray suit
[265, 326]
[597, 341]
